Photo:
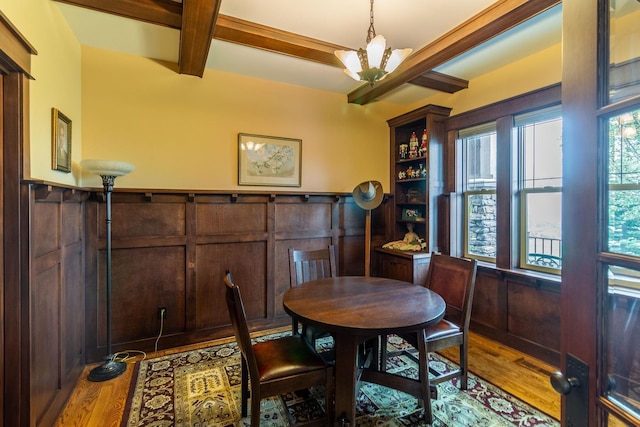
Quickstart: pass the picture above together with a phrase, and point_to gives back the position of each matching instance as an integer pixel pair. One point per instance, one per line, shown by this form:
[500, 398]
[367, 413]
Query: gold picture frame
[60, 141]
[269, 160]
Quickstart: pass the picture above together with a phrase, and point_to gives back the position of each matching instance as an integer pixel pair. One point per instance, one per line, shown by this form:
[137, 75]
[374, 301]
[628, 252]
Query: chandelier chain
[371, 33]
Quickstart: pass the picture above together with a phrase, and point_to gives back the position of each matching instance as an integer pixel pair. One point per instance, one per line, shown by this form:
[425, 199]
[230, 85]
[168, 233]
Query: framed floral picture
[60, 141]
[269, 160]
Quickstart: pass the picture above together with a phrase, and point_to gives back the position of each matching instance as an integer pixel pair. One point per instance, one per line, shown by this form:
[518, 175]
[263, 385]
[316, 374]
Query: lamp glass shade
[351, 74]
[375, 50]
[396, 58]
[351, 61]
[107, 167]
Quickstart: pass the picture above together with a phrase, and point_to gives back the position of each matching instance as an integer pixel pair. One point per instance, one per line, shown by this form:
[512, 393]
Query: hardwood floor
[522, 376]
[102, 404]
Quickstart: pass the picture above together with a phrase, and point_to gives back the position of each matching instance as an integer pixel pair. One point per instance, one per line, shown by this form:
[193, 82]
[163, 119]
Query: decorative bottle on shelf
[423, 146]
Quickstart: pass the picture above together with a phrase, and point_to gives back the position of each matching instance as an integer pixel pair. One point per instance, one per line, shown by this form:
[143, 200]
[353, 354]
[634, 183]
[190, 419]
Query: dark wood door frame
[579, 199]
[15, 66]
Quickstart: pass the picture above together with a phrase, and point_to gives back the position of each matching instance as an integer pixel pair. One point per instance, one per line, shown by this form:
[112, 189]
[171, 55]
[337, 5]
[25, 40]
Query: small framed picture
[410, 214]
[269, 160]
[60, 141]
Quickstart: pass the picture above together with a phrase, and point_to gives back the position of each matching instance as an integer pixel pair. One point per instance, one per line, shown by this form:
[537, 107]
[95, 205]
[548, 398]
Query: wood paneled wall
[519, 310]
[56, 297]
[172, 249]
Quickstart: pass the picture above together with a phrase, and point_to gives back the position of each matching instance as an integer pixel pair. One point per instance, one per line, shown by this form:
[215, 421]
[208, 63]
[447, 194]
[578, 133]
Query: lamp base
[108, 370]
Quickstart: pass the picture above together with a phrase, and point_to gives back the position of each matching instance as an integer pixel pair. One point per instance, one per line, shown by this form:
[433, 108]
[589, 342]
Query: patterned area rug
[201, 388]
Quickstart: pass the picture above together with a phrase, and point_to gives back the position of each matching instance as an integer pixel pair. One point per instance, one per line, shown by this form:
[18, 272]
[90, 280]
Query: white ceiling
[404, 23]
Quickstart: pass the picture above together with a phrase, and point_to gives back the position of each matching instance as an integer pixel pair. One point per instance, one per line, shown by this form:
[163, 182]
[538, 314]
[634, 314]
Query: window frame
[520, 122]
[523, 230]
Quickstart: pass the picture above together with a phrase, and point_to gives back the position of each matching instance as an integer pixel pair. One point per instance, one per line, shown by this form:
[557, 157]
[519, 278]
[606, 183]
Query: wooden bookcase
[417, 193]
[417, 179]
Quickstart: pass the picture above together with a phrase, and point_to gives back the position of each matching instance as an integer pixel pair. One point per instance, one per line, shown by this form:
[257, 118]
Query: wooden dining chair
[320, 264]
[276, 366]
[311, 265]
[453, 279]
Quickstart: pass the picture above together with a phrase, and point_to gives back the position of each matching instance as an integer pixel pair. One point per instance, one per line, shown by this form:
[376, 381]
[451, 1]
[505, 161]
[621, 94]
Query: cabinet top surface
[404, 254]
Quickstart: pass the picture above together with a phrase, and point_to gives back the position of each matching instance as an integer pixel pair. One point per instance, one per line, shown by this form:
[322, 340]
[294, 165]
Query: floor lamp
[368, 195]
[108, 170]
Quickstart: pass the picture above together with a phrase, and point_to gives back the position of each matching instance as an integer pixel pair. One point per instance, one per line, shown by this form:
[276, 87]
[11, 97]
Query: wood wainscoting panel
[518, 309]
[351, 255]
[217, 215]
[146, 219]
[72, 223]
[56, 297]
[488, 301]
[294, 219]
[46, 225]
[143, 279]
[45, 344]
[72, 306]
[354, 216]
[534, 313]
[247, 262]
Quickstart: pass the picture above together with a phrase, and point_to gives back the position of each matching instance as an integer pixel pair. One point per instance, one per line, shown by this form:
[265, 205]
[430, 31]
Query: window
[624, 184]
[539, 136]
[480, 191]
[506, 189]
[623, 238]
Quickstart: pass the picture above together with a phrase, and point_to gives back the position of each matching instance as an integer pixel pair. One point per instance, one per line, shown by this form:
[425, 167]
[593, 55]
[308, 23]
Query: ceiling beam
[438, 81]
[227, 28]
[198, 21]
[196, 18]
[160, 12]
[492, 21]
[251, 34]
[234, 30]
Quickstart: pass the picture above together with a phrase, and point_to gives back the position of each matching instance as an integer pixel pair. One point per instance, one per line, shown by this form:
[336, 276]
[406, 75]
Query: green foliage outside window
[624, 184]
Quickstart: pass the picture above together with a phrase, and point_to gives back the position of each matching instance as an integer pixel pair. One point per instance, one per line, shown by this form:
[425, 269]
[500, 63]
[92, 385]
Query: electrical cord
[126, 356]
[159, 334]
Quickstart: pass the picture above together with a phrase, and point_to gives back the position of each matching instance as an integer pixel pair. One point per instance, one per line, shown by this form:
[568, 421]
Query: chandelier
[374, 62]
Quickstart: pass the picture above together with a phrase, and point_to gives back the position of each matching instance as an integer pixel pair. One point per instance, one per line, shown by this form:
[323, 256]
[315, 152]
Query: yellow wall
[533, 72]
[625, 43]
[181, 131]
[56, 69]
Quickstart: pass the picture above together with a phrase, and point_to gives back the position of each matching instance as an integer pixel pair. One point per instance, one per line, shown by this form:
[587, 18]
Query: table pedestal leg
[346, 372]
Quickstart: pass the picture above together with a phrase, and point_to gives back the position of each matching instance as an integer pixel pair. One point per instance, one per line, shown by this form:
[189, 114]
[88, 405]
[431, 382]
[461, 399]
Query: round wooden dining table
[355, 309]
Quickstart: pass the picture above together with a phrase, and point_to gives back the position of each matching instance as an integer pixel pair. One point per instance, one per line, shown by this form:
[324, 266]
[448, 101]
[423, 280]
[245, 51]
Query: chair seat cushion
[285, 356]
[442, 329]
